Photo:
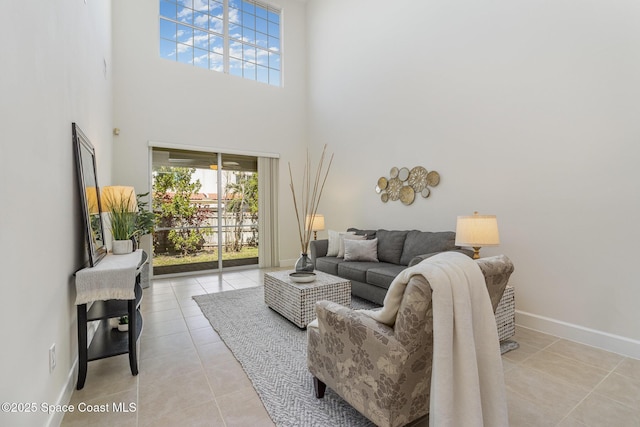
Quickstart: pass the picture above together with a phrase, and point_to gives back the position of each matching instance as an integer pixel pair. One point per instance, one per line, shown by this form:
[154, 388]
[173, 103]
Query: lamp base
[476, 252]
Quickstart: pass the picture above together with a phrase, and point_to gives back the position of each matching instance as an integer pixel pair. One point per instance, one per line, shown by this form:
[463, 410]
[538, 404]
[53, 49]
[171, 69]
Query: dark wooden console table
[108, 342]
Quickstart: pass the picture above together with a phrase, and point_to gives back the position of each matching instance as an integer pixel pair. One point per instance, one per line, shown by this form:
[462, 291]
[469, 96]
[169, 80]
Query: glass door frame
[220, 228]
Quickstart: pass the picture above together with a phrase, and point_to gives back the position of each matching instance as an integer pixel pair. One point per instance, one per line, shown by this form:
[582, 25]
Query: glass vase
[304, 264]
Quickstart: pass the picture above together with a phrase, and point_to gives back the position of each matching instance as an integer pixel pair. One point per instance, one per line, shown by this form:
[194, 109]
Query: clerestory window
[238, 37]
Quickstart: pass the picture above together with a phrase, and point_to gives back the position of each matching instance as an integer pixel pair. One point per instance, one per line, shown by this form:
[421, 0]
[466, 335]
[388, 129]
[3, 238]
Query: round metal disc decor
[384, 197]
[407, 195]
[382, 183]
[418, 178]
[433, 178]
[378, 189]
[425, 192]
[394, 188]
[403, 174]
[393, 173]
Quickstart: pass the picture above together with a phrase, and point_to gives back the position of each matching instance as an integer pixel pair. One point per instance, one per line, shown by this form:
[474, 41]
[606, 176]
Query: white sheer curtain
[268, 246]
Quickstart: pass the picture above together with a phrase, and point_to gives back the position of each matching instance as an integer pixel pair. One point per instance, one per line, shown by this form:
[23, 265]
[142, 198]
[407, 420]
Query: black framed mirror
[89, 196]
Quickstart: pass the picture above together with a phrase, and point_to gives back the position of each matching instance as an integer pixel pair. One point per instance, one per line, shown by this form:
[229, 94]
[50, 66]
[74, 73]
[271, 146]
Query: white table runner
[113, 278]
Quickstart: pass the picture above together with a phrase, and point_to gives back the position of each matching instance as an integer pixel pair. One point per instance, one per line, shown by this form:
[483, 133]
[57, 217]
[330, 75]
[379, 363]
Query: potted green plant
[123, 324]
[121, 205]
[145, 219]
[129, 217]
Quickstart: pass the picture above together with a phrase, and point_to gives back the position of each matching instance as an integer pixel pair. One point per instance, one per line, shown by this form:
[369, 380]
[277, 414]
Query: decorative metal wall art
[403, 184]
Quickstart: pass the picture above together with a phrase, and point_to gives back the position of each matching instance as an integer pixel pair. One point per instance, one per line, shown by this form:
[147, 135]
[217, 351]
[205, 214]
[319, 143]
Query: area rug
[273, 352]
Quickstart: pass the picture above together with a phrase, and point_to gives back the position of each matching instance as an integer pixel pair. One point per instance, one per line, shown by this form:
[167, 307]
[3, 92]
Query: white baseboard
[606, 341]
[55, 417]
[288, 262]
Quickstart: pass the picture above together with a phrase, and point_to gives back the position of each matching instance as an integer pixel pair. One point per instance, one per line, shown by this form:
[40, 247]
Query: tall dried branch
[310, 195]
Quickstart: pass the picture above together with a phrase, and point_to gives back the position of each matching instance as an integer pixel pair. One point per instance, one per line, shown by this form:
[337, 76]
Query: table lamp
[316, 225]
[118, 198]
[477, 231]
[92, 200]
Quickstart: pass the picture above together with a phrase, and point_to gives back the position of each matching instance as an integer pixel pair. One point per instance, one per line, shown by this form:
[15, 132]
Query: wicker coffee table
[296, 301]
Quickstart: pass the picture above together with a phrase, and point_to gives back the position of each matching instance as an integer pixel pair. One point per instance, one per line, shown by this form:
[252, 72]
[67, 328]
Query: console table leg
[82, 345]
[133, 325]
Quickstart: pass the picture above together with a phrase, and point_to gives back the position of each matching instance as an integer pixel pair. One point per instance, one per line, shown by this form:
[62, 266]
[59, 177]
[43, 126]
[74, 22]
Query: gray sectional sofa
[397, 250]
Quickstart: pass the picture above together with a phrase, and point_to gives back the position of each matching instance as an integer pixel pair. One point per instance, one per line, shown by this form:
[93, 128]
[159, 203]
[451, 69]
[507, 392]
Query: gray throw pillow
[361, 250]
[345, 237]
[335, 237]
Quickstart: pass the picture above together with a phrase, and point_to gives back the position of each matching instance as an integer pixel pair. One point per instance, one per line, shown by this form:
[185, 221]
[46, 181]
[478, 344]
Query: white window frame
[274, 70]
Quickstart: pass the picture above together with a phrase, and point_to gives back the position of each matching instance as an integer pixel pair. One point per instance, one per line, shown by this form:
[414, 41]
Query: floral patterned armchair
[385, 372]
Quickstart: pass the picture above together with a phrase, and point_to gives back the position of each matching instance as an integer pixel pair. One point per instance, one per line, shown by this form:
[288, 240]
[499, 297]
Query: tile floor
[188, 377]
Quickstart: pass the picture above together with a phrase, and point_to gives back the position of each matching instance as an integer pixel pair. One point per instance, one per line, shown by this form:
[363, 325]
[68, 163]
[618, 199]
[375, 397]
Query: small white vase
[123, 327]
[122, 247]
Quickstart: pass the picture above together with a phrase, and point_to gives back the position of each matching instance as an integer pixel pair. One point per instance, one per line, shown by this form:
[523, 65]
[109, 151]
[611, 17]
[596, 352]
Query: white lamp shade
[118, 198]
[318, 222]
[477, 231]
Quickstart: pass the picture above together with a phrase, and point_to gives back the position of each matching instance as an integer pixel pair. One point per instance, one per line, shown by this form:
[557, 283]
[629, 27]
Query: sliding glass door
[207, 210]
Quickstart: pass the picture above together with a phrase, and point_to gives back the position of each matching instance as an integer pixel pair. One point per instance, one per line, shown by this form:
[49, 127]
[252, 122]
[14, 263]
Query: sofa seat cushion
[357, 270]
[328, 264]
[426, 242]
[383, 276]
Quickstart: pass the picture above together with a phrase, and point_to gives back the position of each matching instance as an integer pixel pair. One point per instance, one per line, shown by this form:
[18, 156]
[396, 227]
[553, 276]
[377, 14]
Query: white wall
[529, 110]
[164, 101]
[52, 74]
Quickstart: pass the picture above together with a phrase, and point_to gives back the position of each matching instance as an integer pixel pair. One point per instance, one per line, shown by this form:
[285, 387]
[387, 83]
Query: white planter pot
[122, 247]
[123, 328]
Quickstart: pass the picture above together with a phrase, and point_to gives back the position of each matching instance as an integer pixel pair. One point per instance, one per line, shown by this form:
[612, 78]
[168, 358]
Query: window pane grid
[193, 32]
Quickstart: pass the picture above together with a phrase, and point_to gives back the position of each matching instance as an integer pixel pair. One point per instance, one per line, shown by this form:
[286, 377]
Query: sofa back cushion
[390, 244]
[371, 234]
[426, 242]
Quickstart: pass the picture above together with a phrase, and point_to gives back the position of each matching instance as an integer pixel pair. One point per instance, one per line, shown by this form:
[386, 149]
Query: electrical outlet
[52, 357]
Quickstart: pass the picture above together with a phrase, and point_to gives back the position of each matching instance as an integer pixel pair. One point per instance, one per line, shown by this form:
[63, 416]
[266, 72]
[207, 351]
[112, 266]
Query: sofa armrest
[317, 249]
[419, 258]
[354, 329]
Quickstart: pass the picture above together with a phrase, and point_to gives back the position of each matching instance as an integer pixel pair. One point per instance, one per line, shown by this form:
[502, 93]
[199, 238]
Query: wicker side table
[506, 314]
[296, 301]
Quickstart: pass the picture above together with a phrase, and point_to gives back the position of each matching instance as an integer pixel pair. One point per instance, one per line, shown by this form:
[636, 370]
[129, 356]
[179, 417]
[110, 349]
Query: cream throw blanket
[467, 380]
